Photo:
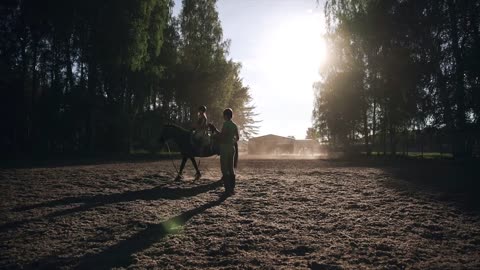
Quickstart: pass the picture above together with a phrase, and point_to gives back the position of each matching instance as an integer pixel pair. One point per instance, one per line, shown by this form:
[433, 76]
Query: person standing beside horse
[227, 138]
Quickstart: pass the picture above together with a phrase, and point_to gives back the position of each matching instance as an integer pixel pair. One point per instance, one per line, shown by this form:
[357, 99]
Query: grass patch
[426, 155]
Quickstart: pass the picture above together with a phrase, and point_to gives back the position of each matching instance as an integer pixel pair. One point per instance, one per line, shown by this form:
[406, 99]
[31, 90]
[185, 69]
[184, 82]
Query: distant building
[305, 147]
[242, 146]
[270, 144]
[274, 144]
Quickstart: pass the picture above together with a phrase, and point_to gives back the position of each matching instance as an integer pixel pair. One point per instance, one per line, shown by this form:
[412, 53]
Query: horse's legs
[182, 166]
[198, 174]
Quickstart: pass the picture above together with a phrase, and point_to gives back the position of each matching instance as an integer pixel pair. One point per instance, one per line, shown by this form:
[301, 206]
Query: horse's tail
[235, 160]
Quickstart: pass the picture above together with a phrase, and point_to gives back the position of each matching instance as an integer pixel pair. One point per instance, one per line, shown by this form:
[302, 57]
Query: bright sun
[287, 64]
[297, 50]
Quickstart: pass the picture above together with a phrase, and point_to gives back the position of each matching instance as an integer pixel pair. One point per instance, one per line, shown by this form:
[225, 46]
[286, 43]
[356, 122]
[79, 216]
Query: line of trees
[399, 69]
[103, 76]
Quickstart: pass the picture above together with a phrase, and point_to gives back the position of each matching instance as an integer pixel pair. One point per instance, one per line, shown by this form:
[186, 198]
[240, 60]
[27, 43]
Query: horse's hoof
[197, 176]
[178, 178]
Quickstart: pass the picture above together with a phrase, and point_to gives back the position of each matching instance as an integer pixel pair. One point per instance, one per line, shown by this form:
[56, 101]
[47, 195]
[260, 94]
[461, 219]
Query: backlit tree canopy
[102, 76]
[399, 68]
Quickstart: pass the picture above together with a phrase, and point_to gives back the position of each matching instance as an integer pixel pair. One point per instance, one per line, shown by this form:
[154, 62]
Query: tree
[208, 77]
[311, 134]
[406, 68]
[90, 77]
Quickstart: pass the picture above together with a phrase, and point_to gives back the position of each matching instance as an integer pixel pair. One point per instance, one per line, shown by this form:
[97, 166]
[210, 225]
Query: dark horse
[182, 138]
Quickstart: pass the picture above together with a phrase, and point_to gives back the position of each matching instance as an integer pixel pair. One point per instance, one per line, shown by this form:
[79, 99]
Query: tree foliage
[400, 67]
[90, 76]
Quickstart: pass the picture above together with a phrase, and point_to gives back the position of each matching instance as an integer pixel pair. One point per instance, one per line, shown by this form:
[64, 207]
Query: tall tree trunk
[34, 91]
[91, 87]
[460, 114]
[23, 125]
[384, 131]
[393, 143]
[447, 107]
[130, 112]
[68, 58]
[365, 132]
[407, 141]
[374, 125]
[474, 24]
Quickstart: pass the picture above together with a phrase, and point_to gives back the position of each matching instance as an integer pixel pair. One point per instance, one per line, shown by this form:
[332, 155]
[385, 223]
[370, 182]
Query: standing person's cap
[228, 112]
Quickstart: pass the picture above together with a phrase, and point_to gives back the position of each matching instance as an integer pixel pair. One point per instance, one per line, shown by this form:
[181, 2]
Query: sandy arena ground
[286, 214]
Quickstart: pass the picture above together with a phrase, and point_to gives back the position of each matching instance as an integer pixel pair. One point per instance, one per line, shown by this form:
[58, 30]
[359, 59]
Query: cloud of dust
[284, 156]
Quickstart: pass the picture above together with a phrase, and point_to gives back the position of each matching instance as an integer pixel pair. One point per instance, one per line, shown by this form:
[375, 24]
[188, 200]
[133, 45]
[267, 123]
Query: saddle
[201, 142]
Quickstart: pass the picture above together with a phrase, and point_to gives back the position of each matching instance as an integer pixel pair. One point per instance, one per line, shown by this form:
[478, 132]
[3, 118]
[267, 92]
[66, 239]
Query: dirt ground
[286, 214]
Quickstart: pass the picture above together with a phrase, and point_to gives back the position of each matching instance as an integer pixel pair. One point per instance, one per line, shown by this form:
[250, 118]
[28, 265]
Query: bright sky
[280, 45]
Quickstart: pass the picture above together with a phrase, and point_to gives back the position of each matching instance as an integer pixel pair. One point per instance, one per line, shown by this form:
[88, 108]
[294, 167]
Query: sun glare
[297, 50]
[288, 62]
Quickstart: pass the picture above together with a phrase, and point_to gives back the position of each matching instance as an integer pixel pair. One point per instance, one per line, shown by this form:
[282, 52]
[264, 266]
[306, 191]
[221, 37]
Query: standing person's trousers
[227, 153]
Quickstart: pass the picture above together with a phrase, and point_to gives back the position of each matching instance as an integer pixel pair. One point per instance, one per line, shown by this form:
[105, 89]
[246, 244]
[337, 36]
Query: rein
[171, 159]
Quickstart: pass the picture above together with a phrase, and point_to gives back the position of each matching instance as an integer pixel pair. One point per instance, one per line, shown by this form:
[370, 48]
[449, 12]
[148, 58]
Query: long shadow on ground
[452, 180]
[82, 160]
[89, 202]
[120, 254]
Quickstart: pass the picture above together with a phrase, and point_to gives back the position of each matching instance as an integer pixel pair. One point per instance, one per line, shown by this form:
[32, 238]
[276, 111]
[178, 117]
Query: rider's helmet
[202, 109]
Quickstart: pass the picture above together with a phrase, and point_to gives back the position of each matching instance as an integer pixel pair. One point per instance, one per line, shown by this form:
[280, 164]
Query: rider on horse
[200, 136]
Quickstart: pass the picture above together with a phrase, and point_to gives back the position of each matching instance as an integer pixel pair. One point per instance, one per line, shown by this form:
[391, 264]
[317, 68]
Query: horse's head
[173, 132]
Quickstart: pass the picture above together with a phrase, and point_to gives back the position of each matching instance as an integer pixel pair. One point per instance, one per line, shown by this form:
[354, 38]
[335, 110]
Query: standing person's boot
[226, 184]
[230, 187]
[233, 182]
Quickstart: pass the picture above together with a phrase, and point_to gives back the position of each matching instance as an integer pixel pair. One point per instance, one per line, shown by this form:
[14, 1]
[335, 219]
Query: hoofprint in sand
[285, 214]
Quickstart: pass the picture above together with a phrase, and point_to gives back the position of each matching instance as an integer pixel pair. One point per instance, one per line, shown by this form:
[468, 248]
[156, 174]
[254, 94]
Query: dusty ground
[285, 214]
